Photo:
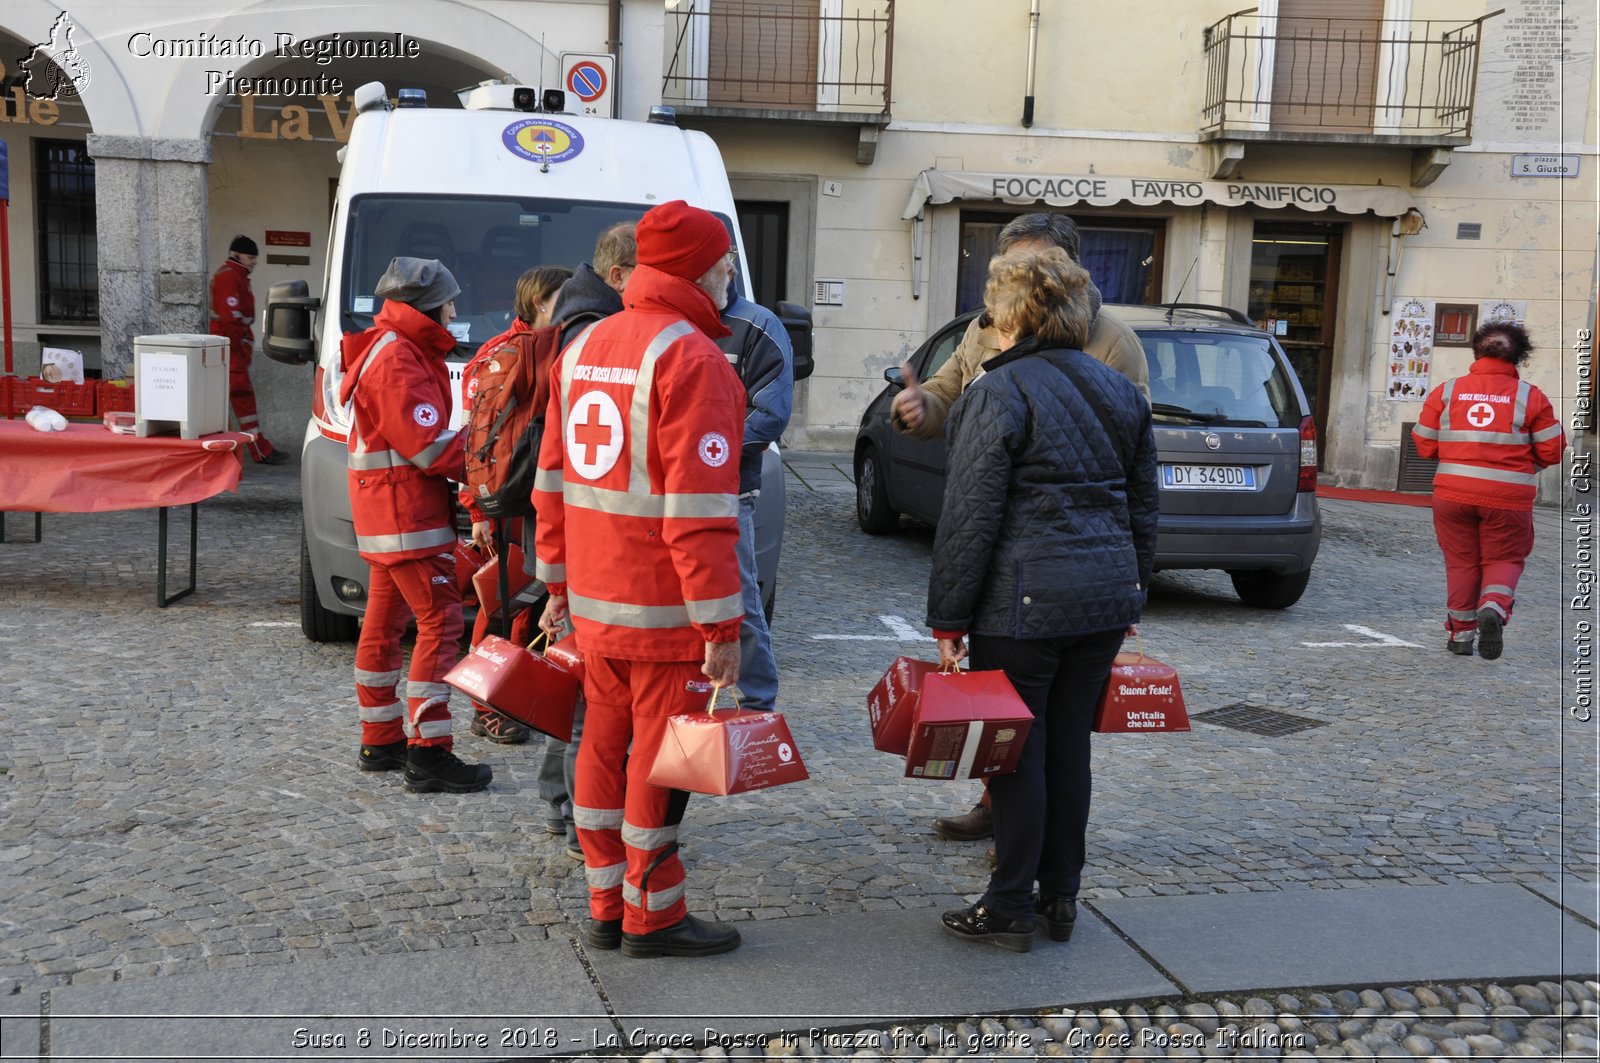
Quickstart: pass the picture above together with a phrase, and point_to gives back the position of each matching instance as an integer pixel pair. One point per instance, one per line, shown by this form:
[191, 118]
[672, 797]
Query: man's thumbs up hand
[907, 410]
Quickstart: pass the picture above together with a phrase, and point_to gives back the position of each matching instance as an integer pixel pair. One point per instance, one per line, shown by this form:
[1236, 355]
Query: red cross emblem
[1480, 414]
[714, 449]
[594, 435]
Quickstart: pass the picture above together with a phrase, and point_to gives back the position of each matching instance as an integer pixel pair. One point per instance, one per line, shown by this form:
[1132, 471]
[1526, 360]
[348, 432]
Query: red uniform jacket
[233, 310]
[1491, 431]
[402, 454]
[638, 481]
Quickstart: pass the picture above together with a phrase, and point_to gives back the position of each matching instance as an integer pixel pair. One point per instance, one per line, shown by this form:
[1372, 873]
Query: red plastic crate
[5, 396]
[115, 396]
[69, 400]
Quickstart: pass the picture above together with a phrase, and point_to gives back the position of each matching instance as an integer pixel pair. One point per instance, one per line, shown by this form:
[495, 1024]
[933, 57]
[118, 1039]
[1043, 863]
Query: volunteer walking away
[1492, 432]
[637, 503]
[401, 461]
[233, 312]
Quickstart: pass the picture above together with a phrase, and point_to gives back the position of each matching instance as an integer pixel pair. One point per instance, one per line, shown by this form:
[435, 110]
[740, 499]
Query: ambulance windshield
[487, 243]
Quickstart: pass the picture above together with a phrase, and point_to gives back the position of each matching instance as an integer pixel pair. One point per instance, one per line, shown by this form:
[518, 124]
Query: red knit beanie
[681, 240]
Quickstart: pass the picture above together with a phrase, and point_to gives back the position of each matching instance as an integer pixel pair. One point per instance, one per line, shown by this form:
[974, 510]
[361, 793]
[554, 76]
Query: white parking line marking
[899, 631]
[1380, 640]
[275, 623]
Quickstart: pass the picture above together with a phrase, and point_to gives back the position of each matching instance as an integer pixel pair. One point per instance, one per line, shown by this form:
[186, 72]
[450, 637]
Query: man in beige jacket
[920, 410]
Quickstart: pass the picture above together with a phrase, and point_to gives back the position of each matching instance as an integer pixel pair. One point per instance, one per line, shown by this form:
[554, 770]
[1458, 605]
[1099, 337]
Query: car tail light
[1308, 455]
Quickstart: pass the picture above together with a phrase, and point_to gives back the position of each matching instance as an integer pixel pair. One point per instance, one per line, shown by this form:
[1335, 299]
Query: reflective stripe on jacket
[402, 455]
[1492, 432]
[637, 493]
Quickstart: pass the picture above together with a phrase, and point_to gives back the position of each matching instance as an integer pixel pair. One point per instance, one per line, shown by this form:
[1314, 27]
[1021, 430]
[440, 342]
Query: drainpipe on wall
[1408, 224]
[614, 46]
[1033, 63]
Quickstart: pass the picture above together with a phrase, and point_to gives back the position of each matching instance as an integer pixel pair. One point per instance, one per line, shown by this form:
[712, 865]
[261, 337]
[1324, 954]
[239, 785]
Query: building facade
[1368, 179]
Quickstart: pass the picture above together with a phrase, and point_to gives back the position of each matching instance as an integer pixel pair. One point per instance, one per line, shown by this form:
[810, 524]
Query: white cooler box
[180, 384]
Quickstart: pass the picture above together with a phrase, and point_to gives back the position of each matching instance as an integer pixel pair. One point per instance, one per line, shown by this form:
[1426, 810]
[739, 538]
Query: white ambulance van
[505, 184]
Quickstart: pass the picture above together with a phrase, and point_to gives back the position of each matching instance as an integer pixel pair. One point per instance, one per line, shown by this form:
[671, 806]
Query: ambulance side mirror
[797, 322]
[287, 331]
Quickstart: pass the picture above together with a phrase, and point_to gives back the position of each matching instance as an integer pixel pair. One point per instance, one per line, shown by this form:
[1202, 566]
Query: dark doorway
[1294, 294]
[764, 227]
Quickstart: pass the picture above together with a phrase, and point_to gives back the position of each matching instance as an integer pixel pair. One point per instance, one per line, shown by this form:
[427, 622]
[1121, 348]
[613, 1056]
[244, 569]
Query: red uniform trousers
[1484, 553]
[628, 828]
[424, 587]
[242, 396]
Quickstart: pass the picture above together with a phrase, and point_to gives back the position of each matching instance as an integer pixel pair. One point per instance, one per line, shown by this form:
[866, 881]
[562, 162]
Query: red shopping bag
[1143, 694]
[969, 725]
[517, 682]
[730, 753]
[893, 702]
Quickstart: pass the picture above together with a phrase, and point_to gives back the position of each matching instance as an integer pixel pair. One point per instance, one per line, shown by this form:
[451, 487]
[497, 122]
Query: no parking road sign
[587, 79]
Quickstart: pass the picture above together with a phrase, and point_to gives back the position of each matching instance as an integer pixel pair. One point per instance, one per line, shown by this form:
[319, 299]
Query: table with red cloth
[88, 469]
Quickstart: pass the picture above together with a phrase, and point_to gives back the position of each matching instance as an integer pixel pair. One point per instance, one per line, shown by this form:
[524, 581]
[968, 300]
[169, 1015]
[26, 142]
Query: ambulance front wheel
[319, 624]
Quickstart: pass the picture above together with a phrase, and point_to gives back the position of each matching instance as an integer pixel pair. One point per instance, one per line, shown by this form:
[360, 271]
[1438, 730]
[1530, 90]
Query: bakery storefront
[1302, 260]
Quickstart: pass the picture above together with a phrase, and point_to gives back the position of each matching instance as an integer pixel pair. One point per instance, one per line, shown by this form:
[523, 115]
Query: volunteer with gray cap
[403, 456]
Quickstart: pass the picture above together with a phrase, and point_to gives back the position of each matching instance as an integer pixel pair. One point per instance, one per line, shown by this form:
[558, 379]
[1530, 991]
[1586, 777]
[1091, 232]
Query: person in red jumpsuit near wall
[1492, 432]
[401, 461]
[233, 311]
[637, 498]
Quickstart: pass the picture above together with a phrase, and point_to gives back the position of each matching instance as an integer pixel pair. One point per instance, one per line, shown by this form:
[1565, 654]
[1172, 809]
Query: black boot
[603, 933]
[691, 937]
[433, 768]
[978, 923]
[1491, 639]
[1058, 916]
[389, 757]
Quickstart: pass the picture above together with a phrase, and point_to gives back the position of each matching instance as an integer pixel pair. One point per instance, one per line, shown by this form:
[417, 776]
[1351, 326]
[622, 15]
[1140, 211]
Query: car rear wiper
[1168, 410]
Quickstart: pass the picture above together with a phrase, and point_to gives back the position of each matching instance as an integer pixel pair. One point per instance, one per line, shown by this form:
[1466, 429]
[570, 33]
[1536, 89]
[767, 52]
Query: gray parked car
[1234, 437]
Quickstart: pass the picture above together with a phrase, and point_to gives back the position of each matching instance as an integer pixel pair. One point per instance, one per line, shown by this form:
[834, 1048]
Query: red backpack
[510, 386]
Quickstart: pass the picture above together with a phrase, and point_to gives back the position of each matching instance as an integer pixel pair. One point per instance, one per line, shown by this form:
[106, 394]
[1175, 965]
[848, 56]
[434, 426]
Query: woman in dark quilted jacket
[1043, 558]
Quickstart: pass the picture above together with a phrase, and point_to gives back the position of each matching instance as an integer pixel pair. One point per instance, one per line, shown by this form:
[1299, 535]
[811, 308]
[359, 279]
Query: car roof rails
[1208, 308]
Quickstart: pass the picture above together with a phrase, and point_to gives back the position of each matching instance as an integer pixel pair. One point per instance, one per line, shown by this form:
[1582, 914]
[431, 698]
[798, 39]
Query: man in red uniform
[637, 502]
[402, 459]
[1492, 432]
[233, 311]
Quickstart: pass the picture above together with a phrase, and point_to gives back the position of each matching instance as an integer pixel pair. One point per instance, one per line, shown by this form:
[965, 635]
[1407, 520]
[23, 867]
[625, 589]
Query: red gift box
[731, 753]
[969, 725]
[893, 702]
[486, 581]
[1143, 694]
[516, 682]
[564, 651]
[470, 557]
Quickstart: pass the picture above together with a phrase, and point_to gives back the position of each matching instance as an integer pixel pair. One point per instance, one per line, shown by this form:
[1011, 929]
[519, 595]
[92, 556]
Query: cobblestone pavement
[179, 791]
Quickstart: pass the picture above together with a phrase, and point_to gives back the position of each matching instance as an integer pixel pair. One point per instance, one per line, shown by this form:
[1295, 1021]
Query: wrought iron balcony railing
[783, 55]
[1362, 80]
